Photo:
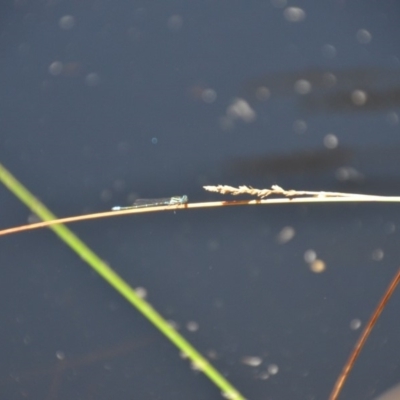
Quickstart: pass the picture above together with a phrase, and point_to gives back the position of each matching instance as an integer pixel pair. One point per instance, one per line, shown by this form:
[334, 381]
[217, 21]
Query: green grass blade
[111, 277]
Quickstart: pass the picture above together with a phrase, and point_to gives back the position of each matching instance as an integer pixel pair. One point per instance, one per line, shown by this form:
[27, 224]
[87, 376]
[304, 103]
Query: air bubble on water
[192, 326]
[286, 235]
[317, 266]
[378, 254]
[359, 97]
[55, 68]
[252, 361]
[240, 109]
[310, 256]
[331, 141]
[273, 369]
[355, 324]
[294, 14]
[363, 36]
[302, 86]
[66, 22]
[141, 292]
[348, 174]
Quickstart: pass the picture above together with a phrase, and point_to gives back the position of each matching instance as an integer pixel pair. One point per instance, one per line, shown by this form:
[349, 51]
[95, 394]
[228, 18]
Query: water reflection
[317, 89]
[307, 161]
[374, 167]
[355, 101]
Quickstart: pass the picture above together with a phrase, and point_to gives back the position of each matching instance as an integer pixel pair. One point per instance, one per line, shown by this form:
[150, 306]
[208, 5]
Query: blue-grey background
[102, 101]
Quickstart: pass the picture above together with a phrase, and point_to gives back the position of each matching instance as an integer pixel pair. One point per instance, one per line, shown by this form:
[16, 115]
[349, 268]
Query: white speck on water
[355, 324]
[286, 235]
[294, 14]
[359, 97]
[252, 361]
[310, 256]
[192, 326]
[363, 36]
[302, 86]
[56, 67]
[317, 266]
[348, 174]
[378, 254]
[331, 141]
[141, 292]
[273, 369]
[240, 109]
[66, 22]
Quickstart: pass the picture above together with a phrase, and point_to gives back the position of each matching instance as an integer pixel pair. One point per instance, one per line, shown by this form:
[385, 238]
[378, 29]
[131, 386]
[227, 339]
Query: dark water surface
[103, 101]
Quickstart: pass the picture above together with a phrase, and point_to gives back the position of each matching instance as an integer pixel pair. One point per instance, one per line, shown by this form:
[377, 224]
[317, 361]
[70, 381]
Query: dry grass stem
[284, 197]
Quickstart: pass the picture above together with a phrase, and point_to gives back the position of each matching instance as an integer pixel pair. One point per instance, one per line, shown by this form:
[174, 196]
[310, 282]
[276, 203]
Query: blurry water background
[102, 102]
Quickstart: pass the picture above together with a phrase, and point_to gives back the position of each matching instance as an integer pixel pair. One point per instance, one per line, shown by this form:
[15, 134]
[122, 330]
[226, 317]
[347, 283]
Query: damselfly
[168, 201]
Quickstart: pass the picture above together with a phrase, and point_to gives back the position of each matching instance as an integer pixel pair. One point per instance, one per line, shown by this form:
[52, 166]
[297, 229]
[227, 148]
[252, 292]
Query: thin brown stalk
[363, 337]
[310, 197]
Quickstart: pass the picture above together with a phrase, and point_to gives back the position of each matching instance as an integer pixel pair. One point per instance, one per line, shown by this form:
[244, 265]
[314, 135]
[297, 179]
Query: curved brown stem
[363, 338]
